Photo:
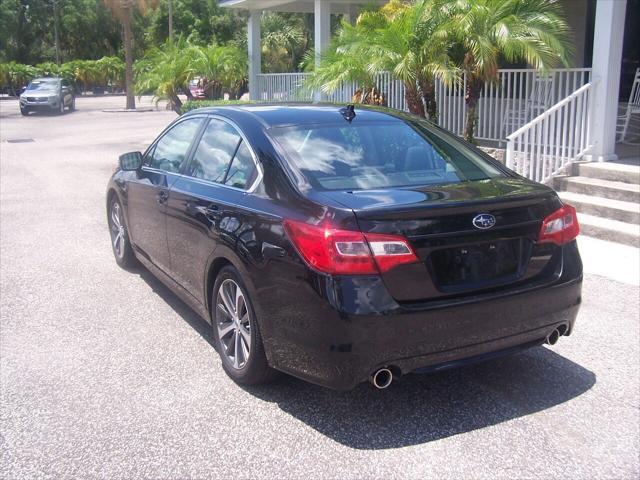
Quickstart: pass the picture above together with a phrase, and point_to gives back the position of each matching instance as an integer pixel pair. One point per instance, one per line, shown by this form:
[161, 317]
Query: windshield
[43, 85]
[379, 155]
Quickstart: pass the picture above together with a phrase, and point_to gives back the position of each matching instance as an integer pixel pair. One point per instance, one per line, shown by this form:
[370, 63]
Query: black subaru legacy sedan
[341, 245]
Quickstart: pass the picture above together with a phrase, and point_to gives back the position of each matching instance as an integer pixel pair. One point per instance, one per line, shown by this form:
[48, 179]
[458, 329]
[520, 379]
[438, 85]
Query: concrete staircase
[607, 197]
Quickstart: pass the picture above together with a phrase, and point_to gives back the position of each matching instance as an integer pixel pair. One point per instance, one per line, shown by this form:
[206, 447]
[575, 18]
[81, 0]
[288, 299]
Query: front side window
[378, 155]
[171, 150]
[223, 157]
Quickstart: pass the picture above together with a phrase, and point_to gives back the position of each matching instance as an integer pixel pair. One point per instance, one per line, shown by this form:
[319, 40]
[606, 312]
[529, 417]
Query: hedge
[194, 104]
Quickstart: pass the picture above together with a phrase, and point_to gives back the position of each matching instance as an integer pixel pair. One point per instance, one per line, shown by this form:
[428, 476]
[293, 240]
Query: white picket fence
[558, 136]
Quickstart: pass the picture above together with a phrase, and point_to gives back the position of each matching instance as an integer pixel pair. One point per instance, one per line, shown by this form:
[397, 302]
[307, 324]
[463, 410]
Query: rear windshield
[379, 155]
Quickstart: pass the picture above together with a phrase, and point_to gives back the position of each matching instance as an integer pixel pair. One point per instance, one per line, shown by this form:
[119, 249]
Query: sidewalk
[611, 260]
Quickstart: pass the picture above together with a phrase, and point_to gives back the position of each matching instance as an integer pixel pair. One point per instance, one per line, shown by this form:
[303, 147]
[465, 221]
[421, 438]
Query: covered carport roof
[304, 6]
[321, 9]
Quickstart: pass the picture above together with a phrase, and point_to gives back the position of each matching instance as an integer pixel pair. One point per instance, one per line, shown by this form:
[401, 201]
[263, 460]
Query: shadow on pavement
[419, 408]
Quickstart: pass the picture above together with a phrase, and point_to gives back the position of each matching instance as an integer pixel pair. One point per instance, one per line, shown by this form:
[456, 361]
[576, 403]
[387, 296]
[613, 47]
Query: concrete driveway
[105, 373]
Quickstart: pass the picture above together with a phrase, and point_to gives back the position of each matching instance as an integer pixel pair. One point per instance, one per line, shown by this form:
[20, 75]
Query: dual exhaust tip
[383, 377]
[554, 336]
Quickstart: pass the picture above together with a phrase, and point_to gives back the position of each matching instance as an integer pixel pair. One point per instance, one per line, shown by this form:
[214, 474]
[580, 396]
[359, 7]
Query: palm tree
[166, 71]
[221, 67]
[283, 41]
[123, 10]
[405, 39]
[530, 30]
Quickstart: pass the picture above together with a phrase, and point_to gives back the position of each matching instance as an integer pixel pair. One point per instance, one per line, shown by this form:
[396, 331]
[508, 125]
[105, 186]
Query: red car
[196, 89]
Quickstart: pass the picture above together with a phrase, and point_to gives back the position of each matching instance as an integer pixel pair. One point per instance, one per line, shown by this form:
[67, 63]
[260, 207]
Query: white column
[255, 52]
[322, 31]
[607, 58]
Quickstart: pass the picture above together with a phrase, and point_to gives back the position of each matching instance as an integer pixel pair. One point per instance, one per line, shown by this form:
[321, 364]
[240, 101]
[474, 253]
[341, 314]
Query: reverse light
[560, 227]
[346, 252]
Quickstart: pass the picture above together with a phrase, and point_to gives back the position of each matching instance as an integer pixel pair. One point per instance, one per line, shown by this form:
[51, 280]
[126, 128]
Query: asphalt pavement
[105, 373]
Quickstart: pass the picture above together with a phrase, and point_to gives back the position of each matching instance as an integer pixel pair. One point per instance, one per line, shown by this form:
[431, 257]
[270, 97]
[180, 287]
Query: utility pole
[55, 30]
[171, 21]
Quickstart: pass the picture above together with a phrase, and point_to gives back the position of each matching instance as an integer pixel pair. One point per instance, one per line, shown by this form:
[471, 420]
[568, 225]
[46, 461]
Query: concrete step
[628, 212]
[611, 230]
[627, 192]
[615, 172]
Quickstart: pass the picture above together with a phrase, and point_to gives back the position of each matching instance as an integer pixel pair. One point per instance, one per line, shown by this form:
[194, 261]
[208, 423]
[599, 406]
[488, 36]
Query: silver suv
[51, 94]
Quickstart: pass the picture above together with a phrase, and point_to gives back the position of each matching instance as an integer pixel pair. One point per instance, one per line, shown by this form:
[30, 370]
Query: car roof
[46, 79]
[280, 115]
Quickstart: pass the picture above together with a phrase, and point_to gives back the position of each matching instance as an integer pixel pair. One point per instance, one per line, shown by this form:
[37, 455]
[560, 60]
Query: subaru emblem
[484, 221]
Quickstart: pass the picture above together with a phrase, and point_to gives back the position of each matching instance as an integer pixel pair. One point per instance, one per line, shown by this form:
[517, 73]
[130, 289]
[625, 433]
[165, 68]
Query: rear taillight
[560, 227]
[345, 252]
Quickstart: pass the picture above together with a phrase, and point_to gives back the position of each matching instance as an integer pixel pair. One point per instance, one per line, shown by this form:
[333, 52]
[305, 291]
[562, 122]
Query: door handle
[211, 212]
[163, 196]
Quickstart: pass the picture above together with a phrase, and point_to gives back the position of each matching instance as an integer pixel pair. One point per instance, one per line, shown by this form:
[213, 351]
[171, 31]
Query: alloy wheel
[233, 323]
[117, 230]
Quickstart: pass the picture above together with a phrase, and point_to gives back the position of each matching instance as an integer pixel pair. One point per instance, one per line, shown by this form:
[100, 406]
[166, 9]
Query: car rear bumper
[339, 349]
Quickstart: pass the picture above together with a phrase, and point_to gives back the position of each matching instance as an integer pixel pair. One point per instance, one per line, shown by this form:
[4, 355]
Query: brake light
[560, 227]
[346, 252]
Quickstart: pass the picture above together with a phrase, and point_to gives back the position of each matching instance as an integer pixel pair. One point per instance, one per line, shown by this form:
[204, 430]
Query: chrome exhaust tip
[553, 337]
[382, 378]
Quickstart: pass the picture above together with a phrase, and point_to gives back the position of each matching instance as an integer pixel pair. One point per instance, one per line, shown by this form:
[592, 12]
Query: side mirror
[130, 161]
[23, 89]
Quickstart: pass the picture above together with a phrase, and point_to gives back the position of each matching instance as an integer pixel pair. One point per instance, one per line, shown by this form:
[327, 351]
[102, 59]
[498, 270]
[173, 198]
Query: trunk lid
[456, 257]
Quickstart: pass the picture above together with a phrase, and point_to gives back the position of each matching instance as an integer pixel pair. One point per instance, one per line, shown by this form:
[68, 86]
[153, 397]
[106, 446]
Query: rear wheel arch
[223, 256]
[214, 269]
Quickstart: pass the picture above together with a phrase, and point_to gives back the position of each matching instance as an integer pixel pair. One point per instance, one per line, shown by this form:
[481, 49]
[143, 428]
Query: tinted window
[223, 157]
[379, 155]
[172, 148]
[215, 151]
[242, 172]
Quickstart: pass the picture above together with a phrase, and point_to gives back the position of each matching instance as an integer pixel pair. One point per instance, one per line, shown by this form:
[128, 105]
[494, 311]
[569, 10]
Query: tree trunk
[428, 89]
[175, 103]
[414, 99]
[474, 87]
[128, 59]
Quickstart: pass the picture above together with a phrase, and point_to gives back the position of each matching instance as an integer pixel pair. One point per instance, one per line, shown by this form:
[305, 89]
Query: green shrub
[193, 104]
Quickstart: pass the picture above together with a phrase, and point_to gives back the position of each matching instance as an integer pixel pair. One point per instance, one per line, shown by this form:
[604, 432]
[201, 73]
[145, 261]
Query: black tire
[119, 234]
[24, 111]
[256, 369]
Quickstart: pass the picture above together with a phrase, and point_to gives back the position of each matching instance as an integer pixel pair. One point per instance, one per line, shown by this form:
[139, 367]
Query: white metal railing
[518, 97]
[556, 137]
[283, 87]
[515, 99]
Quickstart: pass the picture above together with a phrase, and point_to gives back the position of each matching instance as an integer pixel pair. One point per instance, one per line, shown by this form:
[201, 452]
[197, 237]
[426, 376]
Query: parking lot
[105, 373]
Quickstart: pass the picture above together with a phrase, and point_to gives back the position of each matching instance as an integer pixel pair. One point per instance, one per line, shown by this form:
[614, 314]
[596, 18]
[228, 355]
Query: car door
[66, 93]
[148, 191]
[205, 204]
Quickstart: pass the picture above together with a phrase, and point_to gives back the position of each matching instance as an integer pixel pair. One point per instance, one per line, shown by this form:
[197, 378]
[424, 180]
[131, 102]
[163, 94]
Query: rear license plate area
[481, 264]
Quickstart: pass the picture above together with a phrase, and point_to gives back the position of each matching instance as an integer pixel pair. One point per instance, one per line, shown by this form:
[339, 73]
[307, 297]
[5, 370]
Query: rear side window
[242, 172]
[379, 155]
[223, 157]
[171, 150]
[217, 147]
